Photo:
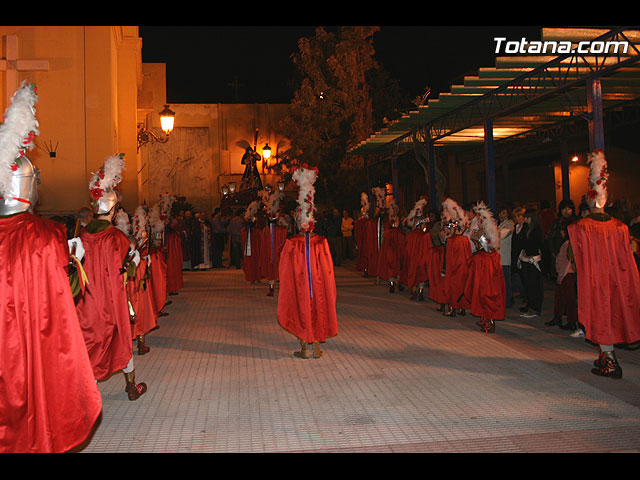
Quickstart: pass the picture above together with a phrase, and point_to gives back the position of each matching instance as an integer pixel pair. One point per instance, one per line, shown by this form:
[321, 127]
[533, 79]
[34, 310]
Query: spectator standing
[517, 241]
[236, 224]
[219, 233]
[505, 229]
[347, 235]
[531, 263]
[334, 235]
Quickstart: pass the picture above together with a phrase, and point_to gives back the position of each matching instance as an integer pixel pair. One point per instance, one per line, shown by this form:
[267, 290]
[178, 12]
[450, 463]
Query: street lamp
[167, 118]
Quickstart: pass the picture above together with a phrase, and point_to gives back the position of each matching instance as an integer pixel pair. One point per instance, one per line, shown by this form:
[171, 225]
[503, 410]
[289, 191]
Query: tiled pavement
[399, 377]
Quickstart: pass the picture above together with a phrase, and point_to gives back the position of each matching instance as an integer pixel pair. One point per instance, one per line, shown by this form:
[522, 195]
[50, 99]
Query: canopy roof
[522, 93]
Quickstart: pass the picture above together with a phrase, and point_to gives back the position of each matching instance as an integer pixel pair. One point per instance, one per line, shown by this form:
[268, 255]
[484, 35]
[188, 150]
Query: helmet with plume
[305, 177]
[490, 236]
[102, 187]
[598, 177]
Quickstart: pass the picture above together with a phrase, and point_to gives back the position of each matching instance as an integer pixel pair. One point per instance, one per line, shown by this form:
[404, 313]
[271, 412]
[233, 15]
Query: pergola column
[594, 105]
[489, 162]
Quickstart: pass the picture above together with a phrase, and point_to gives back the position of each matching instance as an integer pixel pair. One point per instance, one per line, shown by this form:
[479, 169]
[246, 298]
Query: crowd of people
[80, 294]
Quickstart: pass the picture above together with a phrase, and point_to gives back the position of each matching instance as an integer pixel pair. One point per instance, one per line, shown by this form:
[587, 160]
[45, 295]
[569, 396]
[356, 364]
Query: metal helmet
[22, 193]
[106, 202]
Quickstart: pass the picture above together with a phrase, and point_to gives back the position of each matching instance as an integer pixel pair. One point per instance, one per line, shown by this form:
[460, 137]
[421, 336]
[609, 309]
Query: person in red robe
[157, 263]
[307, 297]
[138, 285]
[173, 239]
[364, 234]
[104, 308]
[392, 249]
[274, 235]
[377, 231]
[436, 275]
[49, 400]
[418, 251]
[607, 277]
[485, 287]
[457, 254]
[250, 237]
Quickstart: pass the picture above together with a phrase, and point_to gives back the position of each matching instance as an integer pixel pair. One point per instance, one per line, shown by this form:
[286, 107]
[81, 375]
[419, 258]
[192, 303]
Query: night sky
[203, 63]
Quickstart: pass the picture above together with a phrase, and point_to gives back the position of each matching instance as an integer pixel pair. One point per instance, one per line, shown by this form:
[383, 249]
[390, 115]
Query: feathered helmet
[379, 193]
[102, 187]
[305, 177]
[273, 204]
[393, 212]
[453, 215]
[490, 238]
[364, 205]
[19, 179]
[122, 222]
[166, 203]
[417, 217]
[140, 224]
[598, 177]
[156, 222]
[251, 212]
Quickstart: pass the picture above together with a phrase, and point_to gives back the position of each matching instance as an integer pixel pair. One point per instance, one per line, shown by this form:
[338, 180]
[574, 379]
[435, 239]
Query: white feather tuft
[122, 222]
[488, 224]
[452, 211]
[598, 177]
[140, 223]
[364, 204]
[17, 132]
[305, 178]
[418, 210]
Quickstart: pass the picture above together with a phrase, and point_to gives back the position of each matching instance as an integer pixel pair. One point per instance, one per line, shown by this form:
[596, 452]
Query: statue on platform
[251, 176]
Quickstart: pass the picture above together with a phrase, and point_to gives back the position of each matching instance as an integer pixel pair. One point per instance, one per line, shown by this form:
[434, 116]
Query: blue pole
[489, 162]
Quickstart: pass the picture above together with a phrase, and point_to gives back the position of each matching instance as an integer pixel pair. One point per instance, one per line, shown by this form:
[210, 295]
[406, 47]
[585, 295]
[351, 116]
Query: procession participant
[392, 249]
[379, 225]
[457, 254]
[607, 278]
[307, 299]
[250, 243]
[139, 286]
[436, 276]
[174, 252]
[104, 309]
[156, 253]
[274, 235]
[364, 231]
[485, 287]
[49, 400]
[418, 250]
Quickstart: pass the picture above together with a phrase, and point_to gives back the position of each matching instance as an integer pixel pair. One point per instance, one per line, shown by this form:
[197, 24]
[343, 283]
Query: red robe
[49, 400]
[158, 280]
[391, 253]
[103, 311]
[251, 263]
[140, 294]
[174, 260]
[437, 292]
[309, 314]
[418, 257]
[486, 288]
[272, 241]
[364, 233]
[608, 282]
[457, 256]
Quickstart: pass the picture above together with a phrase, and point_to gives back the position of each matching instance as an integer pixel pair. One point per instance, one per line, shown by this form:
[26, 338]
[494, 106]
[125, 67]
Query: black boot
[609, 366]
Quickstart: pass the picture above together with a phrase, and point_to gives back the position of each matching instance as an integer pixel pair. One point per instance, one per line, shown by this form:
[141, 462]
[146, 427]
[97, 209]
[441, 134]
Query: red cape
[102, 310]
[418, 257]
[270, 250]
[49, 400]
[364, 234]
[251, 263]
[309, 315]
[486, 288]
[158, 280]
[174, 260]
[437, 291]
[141, 301]
[457, 256]
[391, 253]
[608, 283]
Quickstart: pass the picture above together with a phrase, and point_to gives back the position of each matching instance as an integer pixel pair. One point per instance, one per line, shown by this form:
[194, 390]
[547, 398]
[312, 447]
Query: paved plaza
[398, 378]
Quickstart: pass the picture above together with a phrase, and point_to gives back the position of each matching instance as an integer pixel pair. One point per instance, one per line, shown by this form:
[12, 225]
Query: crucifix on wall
[11, 66]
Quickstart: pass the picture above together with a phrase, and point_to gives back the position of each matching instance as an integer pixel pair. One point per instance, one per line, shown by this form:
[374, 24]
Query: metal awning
[522, 93]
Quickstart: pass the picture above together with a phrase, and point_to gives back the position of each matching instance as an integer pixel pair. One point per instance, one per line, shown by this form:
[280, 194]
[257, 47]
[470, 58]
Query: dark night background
[203, 62]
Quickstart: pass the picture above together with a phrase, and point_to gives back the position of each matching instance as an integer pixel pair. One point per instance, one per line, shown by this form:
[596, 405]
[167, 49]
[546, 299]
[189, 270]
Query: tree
[332, 108]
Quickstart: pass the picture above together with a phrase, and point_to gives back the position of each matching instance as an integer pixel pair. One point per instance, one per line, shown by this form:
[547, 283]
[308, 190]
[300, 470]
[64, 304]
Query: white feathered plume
[598, 177]
[488, 224]
[107, 177]
[364, 205]
[305, 177]
[252, 210]
[122, 222]
[166, 202]
[393, 212]
[140, 223]
[418, 210]
[452, 211]
[156, 221]
[380, 194]
[17, 132]
[273, 203]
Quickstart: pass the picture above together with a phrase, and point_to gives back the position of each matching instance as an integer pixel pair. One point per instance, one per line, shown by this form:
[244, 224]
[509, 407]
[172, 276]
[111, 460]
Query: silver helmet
[22, 192]
[106, 202]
